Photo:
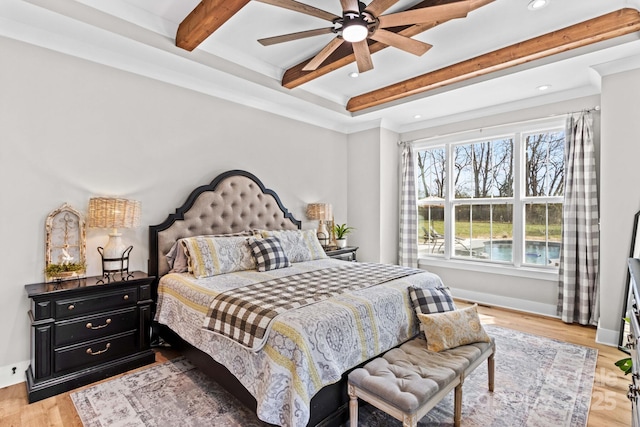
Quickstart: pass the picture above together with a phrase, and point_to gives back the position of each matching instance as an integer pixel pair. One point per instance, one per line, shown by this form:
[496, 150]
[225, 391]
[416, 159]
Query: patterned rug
[538, 382]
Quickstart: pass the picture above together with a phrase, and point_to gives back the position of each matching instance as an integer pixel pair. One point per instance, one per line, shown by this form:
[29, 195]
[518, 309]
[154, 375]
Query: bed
[293, 371]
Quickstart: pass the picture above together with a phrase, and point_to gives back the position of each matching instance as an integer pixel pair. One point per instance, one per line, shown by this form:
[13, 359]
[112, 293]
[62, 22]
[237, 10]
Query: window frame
[517, 132]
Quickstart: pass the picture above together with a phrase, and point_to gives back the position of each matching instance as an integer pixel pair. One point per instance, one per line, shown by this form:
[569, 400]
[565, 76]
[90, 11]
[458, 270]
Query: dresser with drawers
[633, 341]
[87, 329]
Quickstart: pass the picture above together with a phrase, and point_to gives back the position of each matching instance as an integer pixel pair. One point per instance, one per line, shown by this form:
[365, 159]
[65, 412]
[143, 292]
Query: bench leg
[491, 368]
[457, 405]
[353, 407]
[409, 421]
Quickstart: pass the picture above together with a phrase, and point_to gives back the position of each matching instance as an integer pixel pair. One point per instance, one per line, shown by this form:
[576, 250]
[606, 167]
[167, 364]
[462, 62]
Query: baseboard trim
[603, 336]
[607, 336]
[9, 376]
[506, 302]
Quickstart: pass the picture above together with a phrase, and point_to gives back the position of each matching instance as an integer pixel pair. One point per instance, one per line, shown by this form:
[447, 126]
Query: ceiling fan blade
[323, 54]
[351, 5]
[424, 15]
[268, 41]
[363, 56]
[407, 44]
[376, 7]
[302, 8]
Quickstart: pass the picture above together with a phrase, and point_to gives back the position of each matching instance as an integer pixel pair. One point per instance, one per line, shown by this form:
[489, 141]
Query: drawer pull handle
[631, 342]
[632, 394]
[126, 297]
[90, 325]
[71, 307]
[90, 352]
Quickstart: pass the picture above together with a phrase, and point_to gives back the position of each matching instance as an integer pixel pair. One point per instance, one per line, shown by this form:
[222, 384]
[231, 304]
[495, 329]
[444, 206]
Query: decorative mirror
[66, 243]
[634, 252]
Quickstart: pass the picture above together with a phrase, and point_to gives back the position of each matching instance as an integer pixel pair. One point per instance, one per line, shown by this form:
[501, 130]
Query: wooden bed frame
[235, 201]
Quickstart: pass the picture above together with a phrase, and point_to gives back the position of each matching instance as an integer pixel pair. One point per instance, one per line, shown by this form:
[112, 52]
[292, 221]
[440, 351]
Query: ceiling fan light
[354, 29]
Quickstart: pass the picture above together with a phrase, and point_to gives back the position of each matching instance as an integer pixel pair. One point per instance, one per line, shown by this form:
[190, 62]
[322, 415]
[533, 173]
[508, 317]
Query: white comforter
[307, 348]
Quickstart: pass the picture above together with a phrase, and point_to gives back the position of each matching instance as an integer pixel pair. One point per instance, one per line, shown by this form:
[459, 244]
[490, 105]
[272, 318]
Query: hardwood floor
[609, 404]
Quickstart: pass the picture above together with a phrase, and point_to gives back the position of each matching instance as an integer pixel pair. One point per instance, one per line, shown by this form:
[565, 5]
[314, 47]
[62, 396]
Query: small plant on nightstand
[341, 231]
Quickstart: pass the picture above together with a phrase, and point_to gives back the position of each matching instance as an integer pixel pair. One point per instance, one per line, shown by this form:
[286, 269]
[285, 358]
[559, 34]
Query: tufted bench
[408, 381]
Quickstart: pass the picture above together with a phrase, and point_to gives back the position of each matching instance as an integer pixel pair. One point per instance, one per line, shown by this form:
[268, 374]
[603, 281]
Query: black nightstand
[345, 254]
[83, 330]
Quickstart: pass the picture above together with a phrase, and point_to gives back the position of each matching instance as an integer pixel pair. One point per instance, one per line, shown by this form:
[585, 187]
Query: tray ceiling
[140, 36]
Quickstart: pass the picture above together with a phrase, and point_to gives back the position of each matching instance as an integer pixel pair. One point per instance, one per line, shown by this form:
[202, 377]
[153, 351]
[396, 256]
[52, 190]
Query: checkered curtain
[578, 282]
[408, 248]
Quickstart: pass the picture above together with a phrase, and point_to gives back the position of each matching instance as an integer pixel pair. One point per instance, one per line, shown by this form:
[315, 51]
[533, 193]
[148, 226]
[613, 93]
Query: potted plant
[341, 231]
[625, 364]
[58, 271]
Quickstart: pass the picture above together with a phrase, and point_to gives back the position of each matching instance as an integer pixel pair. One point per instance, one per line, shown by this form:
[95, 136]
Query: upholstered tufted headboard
[234, 201]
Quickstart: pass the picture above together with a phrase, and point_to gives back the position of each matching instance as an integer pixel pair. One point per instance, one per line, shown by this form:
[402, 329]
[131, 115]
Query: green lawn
[482, 230]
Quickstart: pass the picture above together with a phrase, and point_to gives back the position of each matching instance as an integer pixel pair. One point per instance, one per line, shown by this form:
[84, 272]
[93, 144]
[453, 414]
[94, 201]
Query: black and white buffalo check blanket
[245, 314]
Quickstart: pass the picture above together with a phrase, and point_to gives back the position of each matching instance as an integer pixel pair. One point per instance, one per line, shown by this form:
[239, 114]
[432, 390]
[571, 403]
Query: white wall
[363, 178]
[71, 129]
[373, 194]
[389, 196]
[619, 190]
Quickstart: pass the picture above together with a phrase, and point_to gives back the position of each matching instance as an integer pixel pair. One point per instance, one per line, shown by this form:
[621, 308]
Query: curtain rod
[594, 108]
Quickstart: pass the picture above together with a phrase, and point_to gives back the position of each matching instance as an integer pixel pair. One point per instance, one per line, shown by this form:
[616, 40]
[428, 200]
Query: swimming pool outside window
[493, 198]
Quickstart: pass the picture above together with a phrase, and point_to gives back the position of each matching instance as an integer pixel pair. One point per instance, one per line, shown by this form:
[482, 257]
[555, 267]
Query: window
[493, 198]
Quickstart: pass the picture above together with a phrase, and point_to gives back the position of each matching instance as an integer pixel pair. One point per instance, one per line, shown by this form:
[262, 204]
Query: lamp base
[323, 234]
[115, 260]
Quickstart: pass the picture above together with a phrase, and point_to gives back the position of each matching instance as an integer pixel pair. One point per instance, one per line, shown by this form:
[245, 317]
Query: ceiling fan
[360, 22]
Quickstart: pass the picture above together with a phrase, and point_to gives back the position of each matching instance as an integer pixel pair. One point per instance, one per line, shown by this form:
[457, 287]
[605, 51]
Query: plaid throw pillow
[268, 253]
[431, 300]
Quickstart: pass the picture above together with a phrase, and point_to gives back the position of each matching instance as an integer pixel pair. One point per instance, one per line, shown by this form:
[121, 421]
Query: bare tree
[463, 160]
[481, 161]
[503, 169]
[545, 164]
[422, 173]
[431, 172]
[484, 169]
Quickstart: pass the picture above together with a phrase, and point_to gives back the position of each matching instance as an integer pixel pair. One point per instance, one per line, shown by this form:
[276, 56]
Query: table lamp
[114, 213]
[321, 212]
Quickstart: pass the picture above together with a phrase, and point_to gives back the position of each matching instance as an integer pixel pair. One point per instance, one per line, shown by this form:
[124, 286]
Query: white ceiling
[138, 36]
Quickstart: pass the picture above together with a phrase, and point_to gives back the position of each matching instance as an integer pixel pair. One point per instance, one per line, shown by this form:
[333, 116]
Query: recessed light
[538, 4]
[353, 74]
[543, 87]
[417, 116]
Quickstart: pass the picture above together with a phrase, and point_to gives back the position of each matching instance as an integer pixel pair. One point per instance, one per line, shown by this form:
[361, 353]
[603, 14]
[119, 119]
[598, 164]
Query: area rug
[538, 382]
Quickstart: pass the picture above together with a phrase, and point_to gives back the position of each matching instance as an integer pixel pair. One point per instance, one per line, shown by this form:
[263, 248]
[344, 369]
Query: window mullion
[519, 160]
[450, 216]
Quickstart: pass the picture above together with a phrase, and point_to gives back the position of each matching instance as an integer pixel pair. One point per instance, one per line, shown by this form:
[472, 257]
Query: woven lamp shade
[320, 211]
[109, 212]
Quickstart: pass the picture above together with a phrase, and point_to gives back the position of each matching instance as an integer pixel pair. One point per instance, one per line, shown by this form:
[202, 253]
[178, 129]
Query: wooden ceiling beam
[605, 27]
[206, 18]
[296, 76]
